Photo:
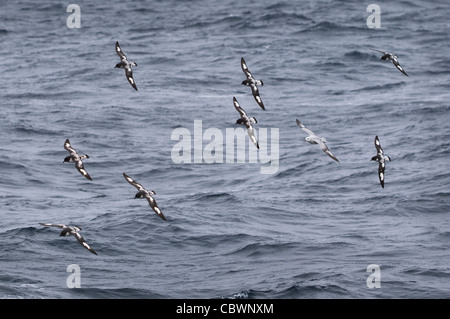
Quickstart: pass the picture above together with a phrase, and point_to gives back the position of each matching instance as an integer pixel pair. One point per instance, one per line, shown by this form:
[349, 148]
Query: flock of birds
[244, 119]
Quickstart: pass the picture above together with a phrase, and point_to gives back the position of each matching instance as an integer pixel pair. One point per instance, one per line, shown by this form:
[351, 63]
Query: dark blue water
[309, 229]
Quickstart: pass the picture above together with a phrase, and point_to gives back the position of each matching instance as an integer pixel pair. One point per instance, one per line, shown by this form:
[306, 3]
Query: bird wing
[304, 128]
[244, 67]
[255, 93]
[120, 52]
[129, 76]
[53, 225]
[380, 51]
[153, 205]
[239, 108]
[399, 67]
[378, 147]
[325, 148]
[84, 243]
[133, 182]
[381, 167]
[251, 134]
[80, 167]
[69, 147]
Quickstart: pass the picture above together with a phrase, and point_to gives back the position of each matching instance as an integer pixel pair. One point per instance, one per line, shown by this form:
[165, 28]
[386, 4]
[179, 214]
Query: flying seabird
[247, 121]
[253, 83]
[71, 230]
[143, 193]
[381, 159]
[314, 139]
[389, 56]
[125, 64]
[74, 157]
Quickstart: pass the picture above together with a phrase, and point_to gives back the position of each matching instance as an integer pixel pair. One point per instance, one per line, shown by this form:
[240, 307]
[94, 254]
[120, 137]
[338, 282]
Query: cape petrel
[392, 57]
[247, 121]
[252, 82]
[74, 157]
[71, 230]
[143, 193]
[381, 159]
[125, 64]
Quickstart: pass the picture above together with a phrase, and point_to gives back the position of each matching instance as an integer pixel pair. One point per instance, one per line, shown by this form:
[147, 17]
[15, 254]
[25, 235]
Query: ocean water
[308, 229]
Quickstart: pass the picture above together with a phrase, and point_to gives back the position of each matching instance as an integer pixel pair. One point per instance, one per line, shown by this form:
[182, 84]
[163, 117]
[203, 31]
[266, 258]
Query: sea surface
[307, 229]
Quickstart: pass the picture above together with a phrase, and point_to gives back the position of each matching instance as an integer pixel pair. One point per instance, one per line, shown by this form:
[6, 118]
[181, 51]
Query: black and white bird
[74, 157]
[125, 64]
[247, 121]
[381, 159]
[143, 193]
[391, 57]
[71, 230]
[252, 83]
[314, 139]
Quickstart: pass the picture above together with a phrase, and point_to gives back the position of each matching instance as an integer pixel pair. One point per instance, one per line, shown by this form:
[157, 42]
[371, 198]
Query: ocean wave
[115, 293]
[328, 26]
[260, 249]
[309, 290]
[381, 87]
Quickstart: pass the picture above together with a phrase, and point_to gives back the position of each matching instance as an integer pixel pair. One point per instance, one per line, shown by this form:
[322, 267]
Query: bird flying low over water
[74, 157]
[247, 121]
[71, 230]
[143, 193]
[125, 64]
[381, 159]
[314, 139]
[252, 83]
[391, 57]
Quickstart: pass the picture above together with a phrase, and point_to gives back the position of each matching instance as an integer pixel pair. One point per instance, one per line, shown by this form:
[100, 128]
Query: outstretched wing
[255, 93]
[80, 167]
[399, 67]
[155, 207]
[120, 52]
[239, 108]
[378, 147]
[53, 225]
[69, 147]
[133, 182]
[129, 76]
[84, 243]
[325, 148]
[244, 67]
[304, 128]
[380, 51]
[381, 167]
[251, 134]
